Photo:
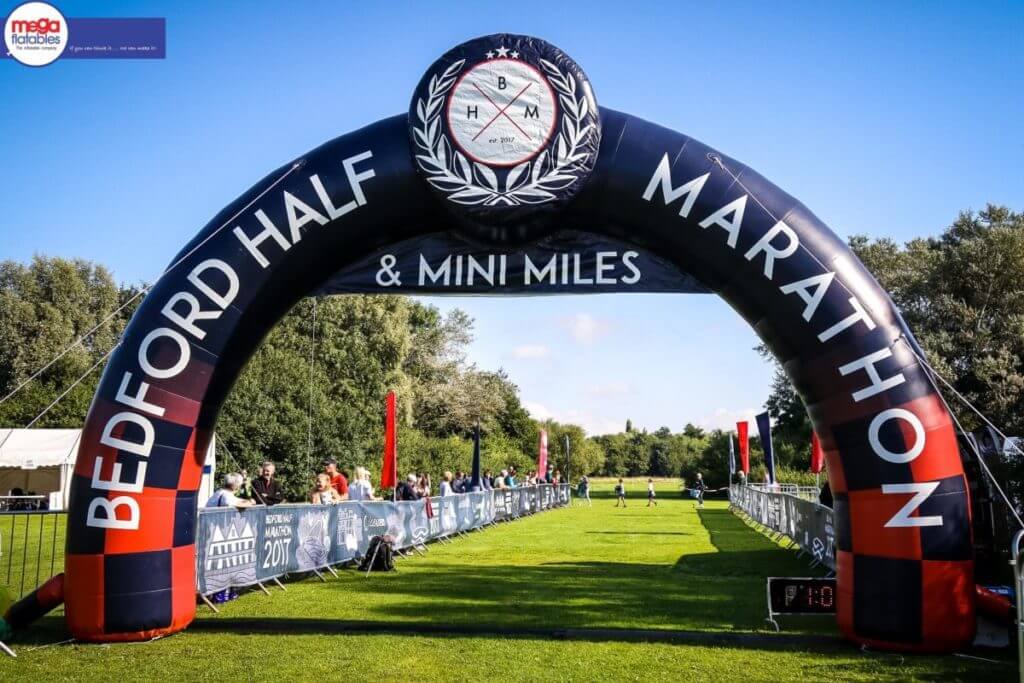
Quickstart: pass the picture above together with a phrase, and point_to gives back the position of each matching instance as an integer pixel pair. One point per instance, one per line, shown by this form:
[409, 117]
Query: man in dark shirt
[264, 488]
[407, 489]
[825, 495]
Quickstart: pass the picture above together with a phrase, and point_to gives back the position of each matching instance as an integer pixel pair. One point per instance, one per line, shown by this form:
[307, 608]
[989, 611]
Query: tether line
[309, 405]
[930, 371]
[146, 288]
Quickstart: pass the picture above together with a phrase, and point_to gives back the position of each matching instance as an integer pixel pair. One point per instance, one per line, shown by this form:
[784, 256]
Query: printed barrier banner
[242, 547]
[810, 524]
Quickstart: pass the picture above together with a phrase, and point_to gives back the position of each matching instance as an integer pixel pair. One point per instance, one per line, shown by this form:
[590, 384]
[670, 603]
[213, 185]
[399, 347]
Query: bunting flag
[542, 455]
[475, 483]
[388, 476]
[817, 454]
[764, 430]
[741, 434]
[732, 459]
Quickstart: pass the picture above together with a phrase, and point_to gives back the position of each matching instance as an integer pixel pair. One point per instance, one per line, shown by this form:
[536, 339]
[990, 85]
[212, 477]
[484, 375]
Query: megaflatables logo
[36, 33]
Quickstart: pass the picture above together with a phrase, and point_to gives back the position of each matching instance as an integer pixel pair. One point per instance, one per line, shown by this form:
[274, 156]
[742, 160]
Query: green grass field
[577, 594]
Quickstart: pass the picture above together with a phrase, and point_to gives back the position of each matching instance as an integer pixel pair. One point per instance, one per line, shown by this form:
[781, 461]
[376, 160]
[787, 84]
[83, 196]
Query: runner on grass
[620, 493]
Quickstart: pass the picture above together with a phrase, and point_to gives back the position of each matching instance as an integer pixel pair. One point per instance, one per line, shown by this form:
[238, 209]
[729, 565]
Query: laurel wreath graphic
[531, 182]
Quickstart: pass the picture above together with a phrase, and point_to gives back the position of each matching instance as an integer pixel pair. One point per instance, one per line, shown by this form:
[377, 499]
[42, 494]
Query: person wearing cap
[339, 482]
[407, 489]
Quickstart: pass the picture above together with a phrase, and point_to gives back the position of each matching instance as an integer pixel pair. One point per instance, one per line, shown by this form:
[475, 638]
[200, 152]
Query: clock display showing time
[801, 595]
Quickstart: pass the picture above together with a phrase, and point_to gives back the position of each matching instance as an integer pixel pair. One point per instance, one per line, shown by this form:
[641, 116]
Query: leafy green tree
[586, 456]
[44, 307]
[962, 295]
[297, 413]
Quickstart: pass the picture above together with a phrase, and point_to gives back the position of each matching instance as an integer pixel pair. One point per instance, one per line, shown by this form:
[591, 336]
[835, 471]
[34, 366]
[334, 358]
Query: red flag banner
[742, 436]
[388, 473]
[817, 455]
[542, 455]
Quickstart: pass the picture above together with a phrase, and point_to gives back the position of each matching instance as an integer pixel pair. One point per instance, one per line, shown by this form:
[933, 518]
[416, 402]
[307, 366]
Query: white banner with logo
[242, 547]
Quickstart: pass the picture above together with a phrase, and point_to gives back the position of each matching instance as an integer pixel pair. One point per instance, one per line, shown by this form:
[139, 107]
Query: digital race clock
[790, 595]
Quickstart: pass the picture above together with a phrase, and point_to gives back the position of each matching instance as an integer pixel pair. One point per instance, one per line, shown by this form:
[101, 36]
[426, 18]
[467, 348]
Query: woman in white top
[323, 493]
[361, 488]
[446, 485]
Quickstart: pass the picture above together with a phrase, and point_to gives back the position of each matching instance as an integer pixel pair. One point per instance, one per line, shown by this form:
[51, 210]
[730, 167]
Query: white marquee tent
[42, 460]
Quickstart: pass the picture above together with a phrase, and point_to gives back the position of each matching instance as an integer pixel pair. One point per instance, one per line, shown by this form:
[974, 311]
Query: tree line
[316, 386]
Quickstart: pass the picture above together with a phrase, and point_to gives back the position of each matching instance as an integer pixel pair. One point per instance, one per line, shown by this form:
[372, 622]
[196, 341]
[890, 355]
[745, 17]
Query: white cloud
[536, 410]
[531, 352]
[585, 328]
[610, 389]
[592, 424]
[726, 419]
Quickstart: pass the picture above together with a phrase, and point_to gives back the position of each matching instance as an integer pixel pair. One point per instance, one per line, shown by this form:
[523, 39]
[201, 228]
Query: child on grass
[620, 494]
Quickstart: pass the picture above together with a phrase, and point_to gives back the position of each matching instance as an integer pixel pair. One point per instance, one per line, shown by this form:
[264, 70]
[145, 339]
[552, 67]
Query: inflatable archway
[504, 145]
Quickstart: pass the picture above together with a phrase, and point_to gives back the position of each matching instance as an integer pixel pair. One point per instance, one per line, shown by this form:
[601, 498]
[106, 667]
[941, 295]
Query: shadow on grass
[318, 626]
[742, 551]
[703, 599]
[639, 533]
[714, 591]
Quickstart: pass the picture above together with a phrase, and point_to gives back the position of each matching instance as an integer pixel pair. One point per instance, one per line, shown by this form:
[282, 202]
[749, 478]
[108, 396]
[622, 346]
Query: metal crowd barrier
[32, 542]
[253, 546]
[31, 548]
[1018, 590]
[805, 492]
[784, 511]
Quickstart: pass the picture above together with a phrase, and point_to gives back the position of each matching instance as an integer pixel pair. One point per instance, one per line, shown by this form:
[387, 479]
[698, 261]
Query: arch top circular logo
[504, 127]
[36, 33]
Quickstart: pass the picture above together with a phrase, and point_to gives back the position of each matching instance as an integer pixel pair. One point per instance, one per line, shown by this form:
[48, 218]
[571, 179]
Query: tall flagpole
[568, 460]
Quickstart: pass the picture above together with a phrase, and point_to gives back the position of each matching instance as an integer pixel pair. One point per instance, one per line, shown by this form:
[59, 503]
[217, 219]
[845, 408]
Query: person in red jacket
[339, 482]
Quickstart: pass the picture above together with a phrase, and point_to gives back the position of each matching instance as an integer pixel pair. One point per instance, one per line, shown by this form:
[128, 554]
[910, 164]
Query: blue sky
[884, 118]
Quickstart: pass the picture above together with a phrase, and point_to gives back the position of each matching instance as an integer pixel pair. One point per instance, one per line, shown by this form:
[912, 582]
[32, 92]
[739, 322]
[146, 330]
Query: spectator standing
[339, 482]
[550, 476]
[485, 481]
[323, 492]
[700, 487]
[584, 490]
[361, 488]
[556, 478]
[620, 493]
[650, 494]
[825, 495]
[227, 495]
[407, 489]
[423, 485]
[264, 489]
[446, 485]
